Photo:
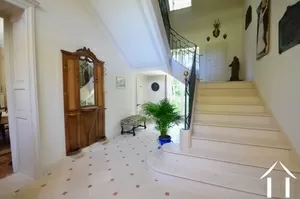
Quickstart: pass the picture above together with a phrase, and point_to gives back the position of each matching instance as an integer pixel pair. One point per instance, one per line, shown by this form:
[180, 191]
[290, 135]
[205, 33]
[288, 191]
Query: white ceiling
[210, 6]
[204, 12]
[126, 22]
[207, 7]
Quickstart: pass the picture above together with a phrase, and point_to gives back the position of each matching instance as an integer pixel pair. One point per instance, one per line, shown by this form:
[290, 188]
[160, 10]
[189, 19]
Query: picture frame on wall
[248, 18]
[120, 82]
[263, 29]
[289, 31]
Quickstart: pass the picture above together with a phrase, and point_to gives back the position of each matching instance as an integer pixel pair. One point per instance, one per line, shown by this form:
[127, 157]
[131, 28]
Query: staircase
[235, 140]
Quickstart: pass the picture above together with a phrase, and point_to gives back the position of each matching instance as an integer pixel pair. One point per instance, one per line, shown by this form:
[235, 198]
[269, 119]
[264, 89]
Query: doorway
[6, 168]
[21, 85]
[139, 93]
[216, 62]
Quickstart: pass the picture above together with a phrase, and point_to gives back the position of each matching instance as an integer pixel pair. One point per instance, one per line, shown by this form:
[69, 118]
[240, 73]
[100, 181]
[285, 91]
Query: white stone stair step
[225, 84]
[234, 100]
[172, 153]
[238, 132]
[248, 164]
[260, 142]
[230, 108]
[269, 127]
[208, 191]
[264, 163]
[238, 148]
[240, 183]
[226, 92]
[252, 118]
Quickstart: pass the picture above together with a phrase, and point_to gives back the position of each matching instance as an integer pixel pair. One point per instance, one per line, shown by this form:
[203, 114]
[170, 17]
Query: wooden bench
[134, 121]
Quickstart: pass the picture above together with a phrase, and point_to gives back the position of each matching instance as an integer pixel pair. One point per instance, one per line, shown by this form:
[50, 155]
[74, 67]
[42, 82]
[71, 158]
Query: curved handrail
[185, 53]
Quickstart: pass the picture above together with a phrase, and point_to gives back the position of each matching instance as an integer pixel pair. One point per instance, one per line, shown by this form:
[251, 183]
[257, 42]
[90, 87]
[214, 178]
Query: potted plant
[164, 115]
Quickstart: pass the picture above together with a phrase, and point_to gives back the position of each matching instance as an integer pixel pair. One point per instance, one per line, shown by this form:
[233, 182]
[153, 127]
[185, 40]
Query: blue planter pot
[163, 141]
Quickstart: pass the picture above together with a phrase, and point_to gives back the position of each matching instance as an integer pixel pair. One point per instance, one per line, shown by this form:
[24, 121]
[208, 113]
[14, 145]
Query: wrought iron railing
[190, 84]
[185, 53]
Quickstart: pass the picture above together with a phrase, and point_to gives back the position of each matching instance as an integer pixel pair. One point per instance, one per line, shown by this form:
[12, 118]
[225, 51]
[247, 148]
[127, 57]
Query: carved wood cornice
[84, 52]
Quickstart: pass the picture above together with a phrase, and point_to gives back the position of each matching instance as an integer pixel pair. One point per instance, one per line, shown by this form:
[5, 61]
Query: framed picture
[120, 81]
[289, 31]
[248, 18]
[263, 29]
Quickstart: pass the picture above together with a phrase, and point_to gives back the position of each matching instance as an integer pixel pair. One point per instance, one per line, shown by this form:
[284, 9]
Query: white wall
[1, 32]
[67, 25]
[276, 76]
[197, 28]
[161, 93]
[2, 72]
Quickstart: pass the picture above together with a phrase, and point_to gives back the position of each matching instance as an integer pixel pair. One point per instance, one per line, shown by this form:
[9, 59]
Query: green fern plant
[164, 114]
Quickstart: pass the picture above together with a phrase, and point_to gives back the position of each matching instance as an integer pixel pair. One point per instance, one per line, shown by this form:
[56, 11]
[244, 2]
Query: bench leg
[145, 125]
[133, 131]
[122, 131]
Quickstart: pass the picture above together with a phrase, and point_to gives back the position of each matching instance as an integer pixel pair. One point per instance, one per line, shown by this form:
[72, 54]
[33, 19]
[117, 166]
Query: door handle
[138, 104]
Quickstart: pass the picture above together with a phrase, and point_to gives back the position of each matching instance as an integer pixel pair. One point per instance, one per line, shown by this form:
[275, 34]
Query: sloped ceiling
[126, 22]
[205, 7]
[202, 10]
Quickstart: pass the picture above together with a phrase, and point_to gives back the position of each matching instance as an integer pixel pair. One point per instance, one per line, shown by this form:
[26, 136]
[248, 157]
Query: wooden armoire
[83, 87]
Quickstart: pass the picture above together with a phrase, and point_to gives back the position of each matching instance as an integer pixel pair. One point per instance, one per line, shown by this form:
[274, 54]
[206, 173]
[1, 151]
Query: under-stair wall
[232, 146]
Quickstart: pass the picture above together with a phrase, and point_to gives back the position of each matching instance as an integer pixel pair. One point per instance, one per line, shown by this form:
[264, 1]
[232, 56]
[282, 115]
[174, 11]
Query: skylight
[179, 4]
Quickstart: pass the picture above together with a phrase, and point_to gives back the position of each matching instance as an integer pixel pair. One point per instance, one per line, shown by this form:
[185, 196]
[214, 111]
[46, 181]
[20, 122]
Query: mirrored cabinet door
[83, 99]
[87, 82]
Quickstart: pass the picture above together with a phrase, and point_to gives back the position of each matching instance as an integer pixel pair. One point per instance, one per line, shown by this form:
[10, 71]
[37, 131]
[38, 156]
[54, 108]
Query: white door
[139, 94]
[216, 62]
[22, 94]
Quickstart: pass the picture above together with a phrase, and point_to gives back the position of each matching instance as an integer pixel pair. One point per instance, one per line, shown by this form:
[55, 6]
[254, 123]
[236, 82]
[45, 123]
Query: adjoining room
[5, 151]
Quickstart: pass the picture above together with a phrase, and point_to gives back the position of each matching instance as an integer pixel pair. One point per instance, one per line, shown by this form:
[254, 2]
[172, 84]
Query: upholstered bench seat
[133, 121]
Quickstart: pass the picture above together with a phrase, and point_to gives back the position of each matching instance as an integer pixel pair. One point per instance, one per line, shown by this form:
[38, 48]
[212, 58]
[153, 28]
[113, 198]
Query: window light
[179, 4]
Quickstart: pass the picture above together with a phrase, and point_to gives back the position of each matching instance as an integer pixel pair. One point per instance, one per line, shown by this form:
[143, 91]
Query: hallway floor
[5, 160]
[115, 170]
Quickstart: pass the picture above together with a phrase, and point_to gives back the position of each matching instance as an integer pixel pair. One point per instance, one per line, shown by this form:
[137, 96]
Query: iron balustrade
[185, 53]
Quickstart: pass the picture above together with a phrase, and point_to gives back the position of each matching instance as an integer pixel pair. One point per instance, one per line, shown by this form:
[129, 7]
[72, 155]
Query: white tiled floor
[115, 170]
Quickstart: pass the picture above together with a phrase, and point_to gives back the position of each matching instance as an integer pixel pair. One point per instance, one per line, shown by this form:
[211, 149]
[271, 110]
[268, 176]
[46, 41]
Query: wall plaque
[289, 28]
[248, 18]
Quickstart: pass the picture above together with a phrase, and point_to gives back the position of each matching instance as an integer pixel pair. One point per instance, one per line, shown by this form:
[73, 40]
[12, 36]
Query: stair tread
[202, 88]
[257, 161]
[252, 141]
[263, 114]
[228, 82]
[230, 103]
[239, 105]
[253, 89]
[237, 125]
[219, 178]
[228, 97]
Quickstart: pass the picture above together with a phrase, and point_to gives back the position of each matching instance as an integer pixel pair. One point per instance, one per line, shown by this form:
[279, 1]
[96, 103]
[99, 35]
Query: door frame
[28, 7]
[207, 69]
[138, 78]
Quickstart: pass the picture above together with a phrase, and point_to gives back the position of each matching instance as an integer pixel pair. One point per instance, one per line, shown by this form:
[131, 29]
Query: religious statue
[235, 69]
[263, 28]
